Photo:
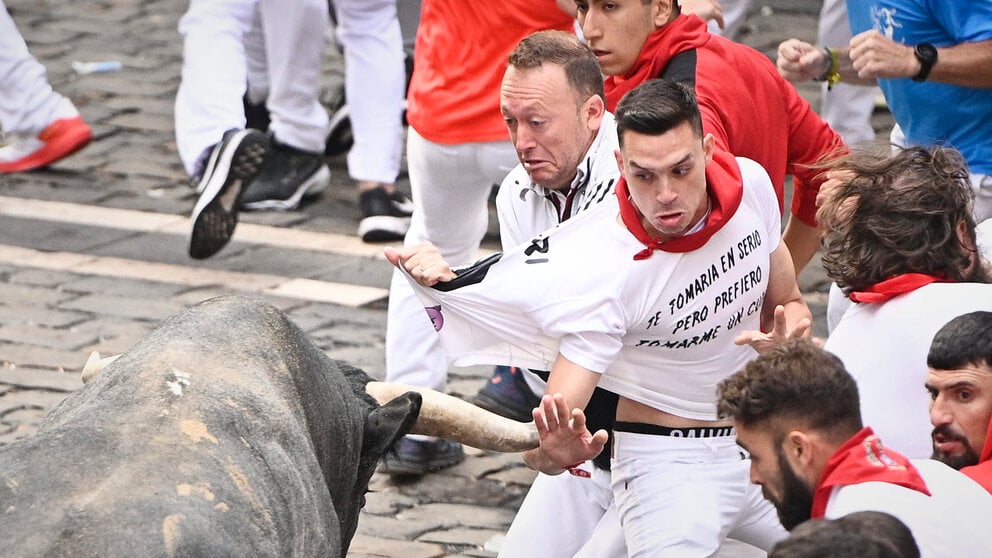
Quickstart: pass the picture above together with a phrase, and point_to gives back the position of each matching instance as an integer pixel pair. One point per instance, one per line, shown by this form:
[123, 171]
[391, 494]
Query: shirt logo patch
[437, 319]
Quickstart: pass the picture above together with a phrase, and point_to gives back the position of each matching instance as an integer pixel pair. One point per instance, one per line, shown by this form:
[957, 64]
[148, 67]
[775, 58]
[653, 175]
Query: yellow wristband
[833, 76]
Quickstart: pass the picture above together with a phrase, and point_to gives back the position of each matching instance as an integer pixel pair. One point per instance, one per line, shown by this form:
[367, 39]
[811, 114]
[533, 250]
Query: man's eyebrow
[638, 166]
[960, 384]
[956, 385]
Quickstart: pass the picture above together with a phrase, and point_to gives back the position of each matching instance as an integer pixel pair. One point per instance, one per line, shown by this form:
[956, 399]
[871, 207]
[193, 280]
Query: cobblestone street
[93, 257]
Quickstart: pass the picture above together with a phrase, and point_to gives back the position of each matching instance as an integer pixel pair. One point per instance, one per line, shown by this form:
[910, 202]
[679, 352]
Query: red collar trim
[895, 286]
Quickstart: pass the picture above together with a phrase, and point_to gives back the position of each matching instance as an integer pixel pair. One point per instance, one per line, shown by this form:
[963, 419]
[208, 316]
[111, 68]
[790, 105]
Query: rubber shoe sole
[61, 139]
[383, 228]
[234, 163]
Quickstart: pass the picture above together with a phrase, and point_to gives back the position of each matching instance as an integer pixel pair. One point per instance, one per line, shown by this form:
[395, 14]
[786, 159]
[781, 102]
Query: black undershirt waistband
[658, 430]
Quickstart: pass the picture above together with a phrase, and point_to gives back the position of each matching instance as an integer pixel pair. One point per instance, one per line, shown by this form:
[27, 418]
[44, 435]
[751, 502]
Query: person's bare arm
[560, 422]
[803, 242]
[705, 9]
[799, 61]
[874, 56]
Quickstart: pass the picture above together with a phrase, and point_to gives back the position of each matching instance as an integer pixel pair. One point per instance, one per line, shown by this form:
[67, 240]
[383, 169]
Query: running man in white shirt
[654, 297]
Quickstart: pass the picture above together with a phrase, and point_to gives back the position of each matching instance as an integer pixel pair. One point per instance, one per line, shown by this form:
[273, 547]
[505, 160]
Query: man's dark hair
[868, 534]
[562, 49]
[899, 213]
[656, 107]
[797, 381]
[967, 339]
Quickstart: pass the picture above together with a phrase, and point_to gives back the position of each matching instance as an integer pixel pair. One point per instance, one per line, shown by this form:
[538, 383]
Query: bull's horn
[444, 416]
[95, 364]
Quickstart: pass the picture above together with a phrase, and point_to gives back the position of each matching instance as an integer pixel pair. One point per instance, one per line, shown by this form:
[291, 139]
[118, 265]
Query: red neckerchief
[863, 459]
[725, 189]
[982, 473]
[684, 33]
[895, 286]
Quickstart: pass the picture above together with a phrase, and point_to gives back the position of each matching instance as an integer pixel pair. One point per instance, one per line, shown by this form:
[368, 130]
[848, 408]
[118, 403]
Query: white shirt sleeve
[758, 188]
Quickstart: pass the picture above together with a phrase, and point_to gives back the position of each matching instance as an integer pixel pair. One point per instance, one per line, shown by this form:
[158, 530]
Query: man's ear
[799, 448]
[662, 12]
[708, 142]
[593, 110]
[616, 153]
[968, 242]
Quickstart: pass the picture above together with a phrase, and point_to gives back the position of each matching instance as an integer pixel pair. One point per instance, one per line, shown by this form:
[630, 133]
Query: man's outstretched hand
[565, 440]
[779, 335]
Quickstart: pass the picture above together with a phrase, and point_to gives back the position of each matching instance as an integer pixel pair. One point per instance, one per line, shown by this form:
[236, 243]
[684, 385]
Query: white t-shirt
[952, 521]
[884, 346]
[661, 328]
[524, 208]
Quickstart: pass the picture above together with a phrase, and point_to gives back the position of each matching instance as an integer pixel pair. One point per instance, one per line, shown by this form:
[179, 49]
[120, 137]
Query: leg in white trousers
[585, 521]
[27, 102]
[218, 37]
[374, 82]
[450, 185]
[296, 36]
[684, 496]
[847, 108]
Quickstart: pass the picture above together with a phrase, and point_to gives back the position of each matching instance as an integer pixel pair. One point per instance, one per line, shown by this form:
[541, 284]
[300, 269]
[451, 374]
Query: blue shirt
[931, 113]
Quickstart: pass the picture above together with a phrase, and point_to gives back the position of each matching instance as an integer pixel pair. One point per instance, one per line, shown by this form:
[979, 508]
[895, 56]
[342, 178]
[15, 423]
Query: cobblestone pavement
[92, 257]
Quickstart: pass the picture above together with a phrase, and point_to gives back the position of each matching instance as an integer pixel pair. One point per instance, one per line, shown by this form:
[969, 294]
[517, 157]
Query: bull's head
[239, 355]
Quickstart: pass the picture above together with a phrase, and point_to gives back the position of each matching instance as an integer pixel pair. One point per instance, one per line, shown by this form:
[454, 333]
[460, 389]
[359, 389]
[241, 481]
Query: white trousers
[847, 108]
[270, 48]
[565, 516]
[27, 102]
[734, 17]
[450, 186]
[374, 84]
[684, 496]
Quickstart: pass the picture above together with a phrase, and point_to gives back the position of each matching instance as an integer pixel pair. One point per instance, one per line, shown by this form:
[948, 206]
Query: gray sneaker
[288, 174]
[233, 164]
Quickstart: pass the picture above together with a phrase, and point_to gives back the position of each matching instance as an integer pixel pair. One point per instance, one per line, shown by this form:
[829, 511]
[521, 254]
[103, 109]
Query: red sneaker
[60, 139]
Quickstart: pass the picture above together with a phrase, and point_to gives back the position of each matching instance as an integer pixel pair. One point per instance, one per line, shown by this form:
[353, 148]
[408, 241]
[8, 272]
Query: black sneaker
[233, 164]
[385, 216]
[287, 175]
[508, 395]
[416, 457]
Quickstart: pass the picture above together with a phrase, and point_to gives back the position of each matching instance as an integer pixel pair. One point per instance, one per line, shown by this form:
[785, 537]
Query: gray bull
[225, 432]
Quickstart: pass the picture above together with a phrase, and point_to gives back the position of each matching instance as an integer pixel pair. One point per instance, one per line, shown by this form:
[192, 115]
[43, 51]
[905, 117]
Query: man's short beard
[966, 459]
[797, 496]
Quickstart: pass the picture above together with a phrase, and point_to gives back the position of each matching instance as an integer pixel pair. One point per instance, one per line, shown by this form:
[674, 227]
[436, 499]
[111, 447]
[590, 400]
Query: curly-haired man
[899, 240]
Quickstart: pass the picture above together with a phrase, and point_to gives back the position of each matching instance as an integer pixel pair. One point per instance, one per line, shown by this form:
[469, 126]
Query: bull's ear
[390, 422]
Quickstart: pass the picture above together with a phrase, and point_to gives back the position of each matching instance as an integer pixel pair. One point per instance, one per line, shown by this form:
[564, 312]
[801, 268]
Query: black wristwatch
[926, 53]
